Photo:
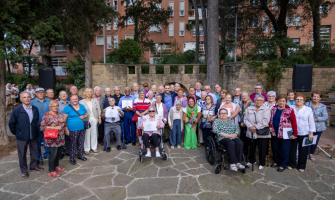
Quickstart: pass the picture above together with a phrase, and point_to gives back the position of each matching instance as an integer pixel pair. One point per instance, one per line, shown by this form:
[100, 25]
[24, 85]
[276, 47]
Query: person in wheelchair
[227, 131]
[154, 134]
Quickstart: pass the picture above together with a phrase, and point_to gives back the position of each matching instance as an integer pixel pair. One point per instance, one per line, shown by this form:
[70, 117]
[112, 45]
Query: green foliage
[293, 60]
[189, 27]
[129, 52]
[48, 32]
[76, 72]
[178, 58]
[328, 62]
[59, 87]
[111, 58]
[225, 47]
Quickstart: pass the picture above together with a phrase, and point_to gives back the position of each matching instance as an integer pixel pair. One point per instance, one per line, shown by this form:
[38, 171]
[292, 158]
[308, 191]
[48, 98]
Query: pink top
[159, 123]
[230, 107]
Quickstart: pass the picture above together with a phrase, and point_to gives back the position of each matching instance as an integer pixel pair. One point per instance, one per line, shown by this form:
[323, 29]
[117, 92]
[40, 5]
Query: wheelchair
[143, 150]
[213, 147]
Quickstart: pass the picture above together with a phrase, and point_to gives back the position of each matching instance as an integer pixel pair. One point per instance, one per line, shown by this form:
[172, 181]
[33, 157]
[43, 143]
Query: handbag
[51, 134]
[205, 124]
[263, 131]
[135, 117]
[87, 124]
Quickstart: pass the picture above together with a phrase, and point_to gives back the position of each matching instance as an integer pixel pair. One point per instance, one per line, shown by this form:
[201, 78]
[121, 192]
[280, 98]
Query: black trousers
[245, 140]
[101, 131]
[22, 147]
[234, 149]
[155, 138]
[262, 150]
[54, 153]
[67, 145]
[303, 152]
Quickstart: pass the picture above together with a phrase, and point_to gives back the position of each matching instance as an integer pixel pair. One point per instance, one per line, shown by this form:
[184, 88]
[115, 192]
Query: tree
[204, 25]
[213, 41]
[144, 14]
[196, 14]
[129, 52]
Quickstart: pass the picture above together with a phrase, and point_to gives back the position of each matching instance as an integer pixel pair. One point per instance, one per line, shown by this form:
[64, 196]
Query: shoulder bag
[39, 106]
[135, 117]
[87, 124]
[51, 133]
[263, 131]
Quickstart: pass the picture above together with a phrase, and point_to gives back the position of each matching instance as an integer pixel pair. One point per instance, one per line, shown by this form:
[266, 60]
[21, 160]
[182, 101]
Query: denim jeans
[175, 133]
[281, 151]
[127, 122]
[46, 149]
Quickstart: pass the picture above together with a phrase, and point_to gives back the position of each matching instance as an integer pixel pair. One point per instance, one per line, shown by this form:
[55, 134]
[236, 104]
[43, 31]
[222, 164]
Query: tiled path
[186, 175]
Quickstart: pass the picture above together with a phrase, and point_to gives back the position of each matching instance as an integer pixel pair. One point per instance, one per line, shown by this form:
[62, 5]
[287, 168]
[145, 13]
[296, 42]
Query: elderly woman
[54, 120]
[201, 102]
[306, 128]
[192, 114]
[233, 109]
[176, 124]
[141, 104]
[223, 94]
[180, 97]
[30, 90]
[112, 115]
[208, 117]
[282, 120]
[291, 97]
[161, 109]
[271, 99]
[227, 131]
[151, 97]
[93, 108]
[75, 115]
[320, 115]
[154, 134]
[257, 121]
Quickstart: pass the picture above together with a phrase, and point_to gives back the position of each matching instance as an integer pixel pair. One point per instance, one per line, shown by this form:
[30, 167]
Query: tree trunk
[223, 31]
[204, 25]
[196, 14]
[3, 133]
[213, 41]
[316, 30]
[88, 66]
[8, 65]
[29, 66]
[46, 55]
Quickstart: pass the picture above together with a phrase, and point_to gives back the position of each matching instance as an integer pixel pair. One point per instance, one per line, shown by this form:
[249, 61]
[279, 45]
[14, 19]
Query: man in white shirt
[198, 89]
[208, 91]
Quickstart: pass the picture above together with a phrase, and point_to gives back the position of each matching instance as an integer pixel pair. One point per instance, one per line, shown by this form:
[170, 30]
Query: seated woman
[155, 134]
[227, 132]
[112, 116]
[192, 114]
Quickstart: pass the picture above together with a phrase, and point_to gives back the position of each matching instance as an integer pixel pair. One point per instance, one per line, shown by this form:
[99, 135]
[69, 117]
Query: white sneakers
[148, 155]
[158, 155]
[260, 167]
[240, 166]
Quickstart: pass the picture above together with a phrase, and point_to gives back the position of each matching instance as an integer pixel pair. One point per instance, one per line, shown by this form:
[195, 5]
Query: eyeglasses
[258, 88]
[299, 99]
[271, 96]
[54, 106]
[223, 113]
[145, 86]
[151, 111]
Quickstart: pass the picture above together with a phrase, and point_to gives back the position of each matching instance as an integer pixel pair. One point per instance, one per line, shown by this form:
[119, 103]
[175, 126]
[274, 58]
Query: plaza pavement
[186, 175]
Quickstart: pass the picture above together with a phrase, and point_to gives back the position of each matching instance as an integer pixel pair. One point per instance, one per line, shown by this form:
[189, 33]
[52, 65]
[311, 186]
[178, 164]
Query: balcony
[60, 48]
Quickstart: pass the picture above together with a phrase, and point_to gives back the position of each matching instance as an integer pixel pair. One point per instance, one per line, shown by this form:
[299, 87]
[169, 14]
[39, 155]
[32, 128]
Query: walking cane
[122, 130]
[269, 152]
[252, 151]
[325, 152]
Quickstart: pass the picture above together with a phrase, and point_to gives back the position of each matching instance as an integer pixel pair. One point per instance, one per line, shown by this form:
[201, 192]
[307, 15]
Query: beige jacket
[170, 117]
[95, 108]
[260, 119]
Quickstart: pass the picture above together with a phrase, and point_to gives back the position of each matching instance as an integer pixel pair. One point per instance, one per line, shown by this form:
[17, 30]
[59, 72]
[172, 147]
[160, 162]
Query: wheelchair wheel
[165, 157]
[217, 169]
[141, 158]
[243, 171]
[210, 150]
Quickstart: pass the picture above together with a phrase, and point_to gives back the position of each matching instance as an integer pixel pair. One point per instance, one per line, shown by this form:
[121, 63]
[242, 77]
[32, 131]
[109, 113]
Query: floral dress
[227, 127]
[50, 120]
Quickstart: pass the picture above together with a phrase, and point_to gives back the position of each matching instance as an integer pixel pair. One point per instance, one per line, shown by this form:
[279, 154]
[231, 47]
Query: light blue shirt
[44, 106]
[131, 97]
[30, 115]
[74, 123]
[62, 105]
[168, 101]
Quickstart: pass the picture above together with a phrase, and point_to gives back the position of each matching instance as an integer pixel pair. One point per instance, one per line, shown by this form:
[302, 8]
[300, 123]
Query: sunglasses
[151, 111]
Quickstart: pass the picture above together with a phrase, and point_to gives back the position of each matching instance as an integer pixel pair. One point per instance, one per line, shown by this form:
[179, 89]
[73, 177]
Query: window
[60, 48]
[295, 46]
[265, 25]
[171, 29]
[159, 50]
[129, 2]
[294, 20]
[109, 42]
[181, 28]
[325, 33]
[130, 36]
[155, 28]
[115, 5]
[38, 47]
[295, 2]
[182, 8]
[100, 40]
[171, 5]
[115, 26]
[324, 8]
[274, 5]
[130, 21]
[108, 3]
[59, 63]
[26, 44]
[254, 22]
[109, 26]
[254, 2]
[116, 41]
[201, 30]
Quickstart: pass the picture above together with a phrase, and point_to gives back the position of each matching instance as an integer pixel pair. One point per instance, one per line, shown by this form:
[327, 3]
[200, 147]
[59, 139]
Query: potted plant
[189, 27]
[191, 12]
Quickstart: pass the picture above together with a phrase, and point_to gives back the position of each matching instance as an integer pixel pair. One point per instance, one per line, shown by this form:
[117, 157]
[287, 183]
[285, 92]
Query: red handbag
[51, 134]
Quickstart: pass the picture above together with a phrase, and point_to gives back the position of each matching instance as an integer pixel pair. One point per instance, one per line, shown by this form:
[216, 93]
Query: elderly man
[101, 100]
[198, 89]
[135, 90]
[62, 103]
[237, 98]
[108, 95]
[73, 91]
[208, 91]
[23, 124]
[192, 93]
[172, 89]
[154, 90]
[117, 95]
[161, 89]
[42, 105]
[177, 87]
[128, 115]
[50, 95]
[168, 97]
[258, 91]
[217, 89]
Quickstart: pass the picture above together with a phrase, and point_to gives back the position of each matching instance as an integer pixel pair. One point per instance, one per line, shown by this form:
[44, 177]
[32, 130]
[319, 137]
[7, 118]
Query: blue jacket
[19, 123]
[173, 95]
[321, 113]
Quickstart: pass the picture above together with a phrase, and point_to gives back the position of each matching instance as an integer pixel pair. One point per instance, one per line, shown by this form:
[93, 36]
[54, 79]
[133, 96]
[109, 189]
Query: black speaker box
[302, 77]
[47, 78]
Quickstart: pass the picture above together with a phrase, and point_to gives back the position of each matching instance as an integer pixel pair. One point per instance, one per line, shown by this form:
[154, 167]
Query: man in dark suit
[168, 97]
[23, 124]
[192, 93]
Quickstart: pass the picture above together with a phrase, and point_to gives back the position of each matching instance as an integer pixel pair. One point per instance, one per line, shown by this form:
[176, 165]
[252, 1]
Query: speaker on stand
[302, 77]
[47, 78]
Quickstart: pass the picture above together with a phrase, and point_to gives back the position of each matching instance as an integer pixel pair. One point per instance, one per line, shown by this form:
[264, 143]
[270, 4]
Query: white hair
[153, 86]
[272, 92]
[238, 88]
[24, 92]
[197, 83]
[107, 88]
[135, 84]
[259, 96]
[203, 92]
[150, 92]
[116, 87]
[245, 92]
[177, 84]
[127, 88]
[258, 84]
[96, 87]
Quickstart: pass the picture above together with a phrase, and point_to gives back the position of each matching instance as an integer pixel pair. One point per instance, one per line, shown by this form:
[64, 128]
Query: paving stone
[110, 193]
[115, 161]
[105, 156]
[99, 181]
[33, 197]
[53, 187]
[10, 158]
[180, 155]
[320, 187]
[269, 189]
[163, 172]
[124, 167]
[137, 166]
[249, 192]
[5, 167]
[104, 170]
[10, 196]
[311, 175]
[201, 160]
[328, 196]
[83, 171]
[215, 195]
[176, 150]
[188, 185]
[93, 163]
[126, 156]
[122, 180]
[214, 182]
[284, 178]
[324, 171]
[65, 163]
[198, 171]
[180, 167]
[296, 194]
[74, 193]
[180, 160]
[23, 187]
[192, 164]
[162, 163]
[147, 187]
[15, 176]
[76, 178]
[149, 171]
[93, 197]
[174, 197]
[328, 179]
[209, 167]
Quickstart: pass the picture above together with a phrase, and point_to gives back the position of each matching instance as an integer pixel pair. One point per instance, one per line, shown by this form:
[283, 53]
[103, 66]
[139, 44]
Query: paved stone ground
[186, 175]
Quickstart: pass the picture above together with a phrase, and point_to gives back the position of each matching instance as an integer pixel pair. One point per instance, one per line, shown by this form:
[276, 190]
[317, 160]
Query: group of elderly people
[241, 122]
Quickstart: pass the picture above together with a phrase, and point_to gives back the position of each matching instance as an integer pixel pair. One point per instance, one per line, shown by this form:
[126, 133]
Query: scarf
[192, 113]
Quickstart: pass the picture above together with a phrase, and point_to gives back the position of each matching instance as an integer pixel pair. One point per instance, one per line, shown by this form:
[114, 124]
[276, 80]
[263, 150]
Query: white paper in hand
[306, 141]
[127, 103]
[285, 134]
[150, 126]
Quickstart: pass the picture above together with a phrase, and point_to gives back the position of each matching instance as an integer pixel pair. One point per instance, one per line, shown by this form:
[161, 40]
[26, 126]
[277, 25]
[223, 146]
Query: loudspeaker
[47, 78]
[302, 77]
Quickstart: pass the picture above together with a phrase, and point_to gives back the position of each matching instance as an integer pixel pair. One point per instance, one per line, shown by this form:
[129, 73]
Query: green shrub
[129, 52]
[328, 62]
[59, 87]
[293, 60]
[76, 72]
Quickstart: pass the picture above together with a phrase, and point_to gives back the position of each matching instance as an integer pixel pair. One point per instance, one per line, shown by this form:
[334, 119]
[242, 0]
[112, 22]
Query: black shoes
[73, 162]
[82, 158]
[274, 166]
[108, 149]
[118, 147]
[61, 156]
[133, 143]
[280, 170]
[126, 142]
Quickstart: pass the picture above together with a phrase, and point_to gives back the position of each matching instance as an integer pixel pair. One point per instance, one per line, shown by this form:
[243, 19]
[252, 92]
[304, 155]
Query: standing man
[128, 115]
[198, 89]
[172, 88]
[108, 95]
[101, 101]
[117, 95]
[161, 89]
[74, 91]
[258, 91]
[62, 103]
[42, 105]
[134, 93]
[23, 124]
[50, 95]
[217, 89]
[237, 98]
[176, 88]
[192, 93]
[146, 88]
[208, 91]
[168, 97]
